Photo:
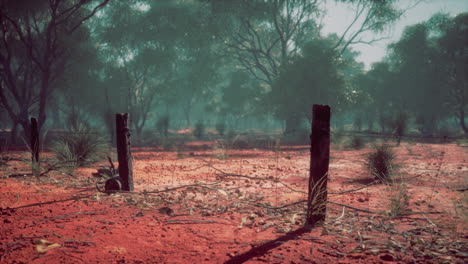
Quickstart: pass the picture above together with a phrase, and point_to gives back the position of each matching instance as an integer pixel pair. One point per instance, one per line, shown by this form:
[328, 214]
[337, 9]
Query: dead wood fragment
[354, 190]
[78, 243]
[273, 207]
[331, 252]
[80, 238]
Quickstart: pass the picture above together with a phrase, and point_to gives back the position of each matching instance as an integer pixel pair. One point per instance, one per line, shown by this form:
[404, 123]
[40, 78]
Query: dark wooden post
[319, 159]
[34, 146]
[34, 140]
[123, 151]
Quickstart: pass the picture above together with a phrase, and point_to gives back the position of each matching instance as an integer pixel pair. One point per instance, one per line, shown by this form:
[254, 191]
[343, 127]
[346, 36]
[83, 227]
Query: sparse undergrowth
[246, 195]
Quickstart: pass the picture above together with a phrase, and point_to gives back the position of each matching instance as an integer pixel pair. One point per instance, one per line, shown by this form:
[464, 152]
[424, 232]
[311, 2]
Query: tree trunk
[14, 133]
[462, 121]
[187, 118]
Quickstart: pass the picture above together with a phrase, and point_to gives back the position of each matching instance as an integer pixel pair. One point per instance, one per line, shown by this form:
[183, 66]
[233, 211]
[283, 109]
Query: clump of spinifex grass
[80, 147]
[381, 163]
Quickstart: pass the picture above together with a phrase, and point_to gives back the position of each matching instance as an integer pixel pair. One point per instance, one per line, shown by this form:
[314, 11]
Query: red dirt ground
[62, 218]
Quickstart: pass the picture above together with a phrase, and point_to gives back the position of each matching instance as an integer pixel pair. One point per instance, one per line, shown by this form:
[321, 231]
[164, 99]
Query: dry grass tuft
[381, 163]
[80, 147]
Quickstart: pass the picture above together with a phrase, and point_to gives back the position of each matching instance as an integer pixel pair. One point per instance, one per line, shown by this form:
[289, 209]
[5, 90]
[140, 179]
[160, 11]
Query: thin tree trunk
[462, 121]
[14, 133]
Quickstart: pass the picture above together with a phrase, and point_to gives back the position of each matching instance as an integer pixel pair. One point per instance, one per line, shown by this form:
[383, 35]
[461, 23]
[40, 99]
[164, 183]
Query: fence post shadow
[318, 177]
[264, 248]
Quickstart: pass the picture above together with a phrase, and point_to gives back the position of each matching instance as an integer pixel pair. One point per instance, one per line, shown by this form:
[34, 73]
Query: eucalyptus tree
[136, 51]
[239, 99]
[197, 63]
[269, 36]
[430, 60]
[72, 105]
[374, 94]
[451, 39]
[310, 79]
[163, 50]
[412, 59]
[37, 41]
[270, 33]
[424, 75]
[370, 18]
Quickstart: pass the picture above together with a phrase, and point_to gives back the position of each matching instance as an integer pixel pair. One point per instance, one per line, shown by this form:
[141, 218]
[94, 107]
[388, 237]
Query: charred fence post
[34, 146]
[123, 151]
[319, 160]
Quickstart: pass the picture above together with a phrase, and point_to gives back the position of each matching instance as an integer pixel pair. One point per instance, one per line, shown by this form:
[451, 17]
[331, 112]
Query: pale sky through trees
[340, 15]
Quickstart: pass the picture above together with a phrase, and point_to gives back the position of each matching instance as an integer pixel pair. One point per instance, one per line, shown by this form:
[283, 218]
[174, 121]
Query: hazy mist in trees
[243, 64]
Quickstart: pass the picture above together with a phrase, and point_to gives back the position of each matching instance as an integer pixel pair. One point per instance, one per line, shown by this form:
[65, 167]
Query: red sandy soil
[62, 218]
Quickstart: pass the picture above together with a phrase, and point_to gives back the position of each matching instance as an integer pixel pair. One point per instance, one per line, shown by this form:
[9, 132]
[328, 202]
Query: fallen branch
[55, 167]
[74, 214]
[414, 213]
[354, 208]
[277, 207]
[75, 198]
[10, 247]
[327, 251]
[77, 243]
[354, 190]
[203, 185]
[85, 237]
[189, 221]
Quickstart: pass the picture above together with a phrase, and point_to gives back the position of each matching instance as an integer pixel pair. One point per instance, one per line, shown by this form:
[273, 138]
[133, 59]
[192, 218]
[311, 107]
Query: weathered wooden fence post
[34, 146]
[123, 151]
[319, 159]
[34, 140]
